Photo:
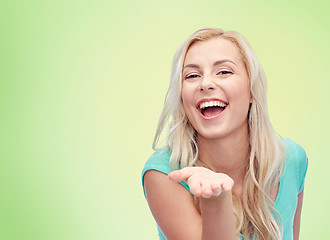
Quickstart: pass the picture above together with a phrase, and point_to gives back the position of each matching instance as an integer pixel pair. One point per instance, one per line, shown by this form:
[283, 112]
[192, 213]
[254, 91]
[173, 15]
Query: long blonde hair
[255, 214]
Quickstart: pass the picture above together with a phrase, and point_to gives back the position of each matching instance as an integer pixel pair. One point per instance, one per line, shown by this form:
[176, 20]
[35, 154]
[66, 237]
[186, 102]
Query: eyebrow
[222, 61]
[214, 64]
[191, 66]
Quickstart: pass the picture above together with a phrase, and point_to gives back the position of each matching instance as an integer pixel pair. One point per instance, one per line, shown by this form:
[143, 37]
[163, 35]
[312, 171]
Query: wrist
[219, 203]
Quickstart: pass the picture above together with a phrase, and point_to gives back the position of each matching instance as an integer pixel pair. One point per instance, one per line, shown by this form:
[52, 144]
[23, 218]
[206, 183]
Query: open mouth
[212, 108]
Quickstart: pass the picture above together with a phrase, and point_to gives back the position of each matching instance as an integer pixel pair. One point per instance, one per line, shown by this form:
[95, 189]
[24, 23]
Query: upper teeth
[212, 104]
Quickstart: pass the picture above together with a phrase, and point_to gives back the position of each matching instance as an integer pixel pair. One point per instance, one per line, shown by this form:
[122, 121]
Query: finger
[196, 190]
[206, 190]
[175, 176]
[195, 186]
[227, 186]
[216, 189]
[180, 175]
[217, 192]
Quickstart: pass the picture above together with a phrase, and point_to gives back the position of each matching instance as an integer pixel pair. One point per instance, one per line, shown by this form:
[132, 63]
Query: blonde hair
[255, 215]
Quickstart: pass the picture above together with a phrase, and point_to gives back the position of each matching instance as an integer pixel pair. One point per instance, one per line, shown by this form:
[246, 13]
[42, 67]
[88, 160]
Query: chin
[212, 135]
[218, 133]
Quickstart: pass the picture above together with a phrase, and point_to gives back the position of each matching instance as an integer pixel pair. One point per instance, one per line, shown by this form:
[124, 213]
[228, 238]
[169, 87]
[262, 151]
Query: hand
[203, 182]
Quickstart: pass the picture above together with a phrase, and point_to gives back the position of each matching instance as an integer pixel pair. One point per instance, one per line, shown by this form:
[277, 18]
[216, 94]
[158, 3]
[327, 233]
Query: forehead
[213, 49]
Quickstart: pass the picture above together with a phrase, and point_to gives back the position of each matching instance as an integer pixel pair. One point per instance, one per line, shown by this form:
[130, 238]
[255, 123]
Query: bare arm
[296, 221]
[217, 217]
[173, 207]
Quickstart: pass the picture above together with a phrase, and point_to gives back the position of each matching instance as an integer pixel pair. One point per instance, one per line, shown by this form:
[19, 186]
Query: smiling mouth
[212, 108]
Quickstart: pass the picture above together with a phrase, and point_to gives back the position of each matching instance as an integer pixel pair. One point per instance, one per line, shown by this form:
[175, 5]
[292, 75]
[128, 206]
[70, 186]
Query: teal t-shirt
[291, 182]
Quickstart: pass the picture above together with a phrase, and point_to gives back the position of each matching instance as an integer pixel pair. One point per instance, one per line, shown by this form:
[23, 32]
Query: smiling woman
[223, 172]
[214, 71]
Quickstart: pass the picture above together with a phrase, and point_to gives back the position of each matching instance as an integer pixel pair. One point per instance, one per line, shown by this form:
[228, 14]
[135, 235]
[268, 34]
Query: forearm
[218, 221]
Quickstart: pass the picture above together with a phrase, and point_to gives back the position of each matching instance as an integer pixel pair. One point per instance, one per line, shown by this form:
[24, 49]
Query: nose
[206, 84]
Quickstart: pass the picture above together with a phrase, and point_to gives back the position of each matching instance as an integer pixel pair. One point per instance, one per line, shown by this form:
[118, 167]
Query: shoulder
[170, 202]
[159, 161]
[294, 150]
[172, 206]
[296, 161]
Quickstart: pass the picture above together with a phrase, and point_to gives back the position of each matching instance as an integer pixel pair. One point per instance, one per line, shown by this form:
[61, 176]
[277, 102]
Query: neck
[229, 155]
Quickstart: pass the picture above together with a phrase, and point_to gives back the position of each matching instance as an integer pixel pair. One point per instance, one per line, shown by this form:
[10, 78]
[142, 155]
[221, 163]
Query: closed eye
[192, 76]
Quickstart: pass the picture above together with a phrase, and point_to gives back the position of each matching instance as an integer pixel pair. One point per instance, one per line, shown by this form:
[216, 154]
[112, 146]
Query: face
[215, 89]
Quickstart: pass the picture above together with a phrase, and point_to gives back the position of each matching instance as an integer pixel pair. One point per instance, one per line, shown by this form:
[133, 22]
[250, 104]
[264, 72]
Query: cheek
[184, 99]
[188, 101]
[239, 90]
[239, 97]
[186, 95]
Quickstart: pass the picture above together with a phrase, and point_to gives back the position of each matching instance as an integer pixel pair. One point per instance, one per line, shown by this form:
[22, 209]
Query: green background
[82, 87]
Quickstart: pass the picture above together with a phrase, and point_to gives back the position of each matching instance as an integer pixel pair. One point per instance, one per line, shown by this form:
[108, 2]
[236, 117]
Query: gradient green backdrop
[82, 86]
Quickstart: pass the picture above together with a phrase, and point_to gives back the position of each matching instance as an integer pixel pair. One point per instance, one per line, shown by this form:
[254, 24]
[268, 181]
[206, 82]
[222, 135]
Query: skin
[219, 72]
[296, 220]
[227, 80]
[213, 69]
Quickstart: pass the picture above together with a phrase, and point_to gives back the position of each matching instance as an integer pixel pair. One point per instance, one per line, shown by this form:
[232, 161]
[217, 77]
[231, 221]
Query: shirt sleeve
[303, 164]
[159, 161]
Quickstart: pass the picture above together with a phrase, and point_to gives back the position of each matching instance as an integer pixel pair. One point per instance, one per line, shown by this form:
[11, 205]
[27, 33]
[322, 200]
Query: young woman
[223, 174]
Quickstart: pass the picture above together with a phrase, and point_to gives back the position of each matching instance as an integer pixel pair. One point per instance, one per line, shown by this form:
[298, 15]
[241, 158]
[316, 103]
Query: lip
[208, 100]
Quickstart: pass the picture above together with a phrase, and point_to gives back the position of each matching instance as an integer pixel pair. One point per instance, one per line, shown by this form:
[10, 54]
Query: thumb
[175, 176]
[180, 175]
